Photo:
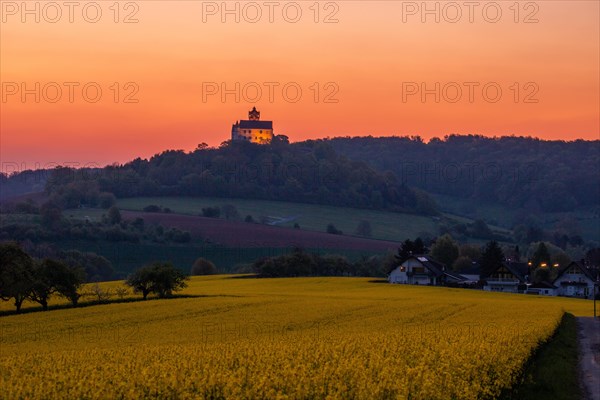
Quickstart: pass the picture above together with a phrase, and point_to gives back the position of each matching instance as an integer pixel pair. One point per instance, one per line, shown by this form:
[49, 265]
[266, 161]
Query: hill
[21, 183]
[385, 225]
[523, 173]
[181, 235]
[238, 234]
[584, 221]
[541, 190]
[529, 175]
[306, 173]
[229, 244]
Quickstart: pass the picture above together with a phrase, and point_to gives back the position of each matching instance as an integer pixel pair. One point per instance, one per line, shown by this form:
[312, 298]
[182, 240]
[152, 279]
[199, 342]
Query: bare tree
[121, 292]
[99, 293]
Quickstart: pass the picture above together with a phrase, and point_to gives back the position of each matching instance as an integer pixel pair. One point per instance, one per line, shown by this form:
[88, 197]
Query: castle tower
[253, 129]
[254, 115]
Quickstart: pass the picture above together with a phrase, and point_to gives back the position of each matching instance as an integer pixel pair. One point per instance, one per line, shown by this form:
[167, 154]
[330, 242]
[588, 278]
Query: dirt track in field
[242, 234]
[589, 363]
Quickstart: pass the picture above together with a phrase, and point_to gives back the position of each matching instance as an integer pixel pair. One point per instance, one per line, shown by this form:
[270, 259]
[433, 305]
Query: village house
[423, 270]
[576, 280]
[509, 277]
[472, 274]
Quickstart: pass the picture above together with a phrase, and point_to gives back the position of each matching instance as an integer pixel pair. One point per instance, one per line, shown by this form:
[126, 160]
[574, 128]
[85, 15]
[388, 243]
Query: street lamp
[596, 284]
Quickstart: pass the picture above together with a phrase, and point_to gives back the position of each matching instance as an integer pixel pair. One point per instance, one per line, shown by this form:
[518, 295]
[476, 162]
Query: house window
[572, 270]
[418, 270]
[402, 269]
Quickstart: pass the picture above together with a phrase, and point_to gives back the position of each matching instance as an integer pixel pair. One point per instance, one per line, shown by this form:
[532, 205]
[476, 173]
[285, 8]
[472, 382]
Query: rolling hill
[388, 226]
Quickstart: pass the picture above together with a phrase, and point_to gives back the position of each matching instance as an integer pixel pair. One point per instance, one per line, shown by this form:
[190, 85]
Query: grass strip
[552, 372]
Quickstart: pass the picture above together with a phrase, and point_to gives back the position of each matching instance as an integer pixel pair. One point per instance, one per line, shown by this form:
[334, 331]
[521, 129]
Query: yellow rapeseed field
[303, 338]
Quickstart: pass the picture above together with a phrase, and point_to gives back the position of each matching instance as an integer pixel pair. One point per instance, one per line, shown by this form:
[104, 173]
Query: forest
[303, 172]
[519, 172]
[391, 173]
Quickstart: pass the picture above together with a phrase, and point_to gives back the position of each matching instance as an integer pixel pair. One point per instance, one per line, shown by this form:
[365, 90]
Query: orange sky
[369, 55]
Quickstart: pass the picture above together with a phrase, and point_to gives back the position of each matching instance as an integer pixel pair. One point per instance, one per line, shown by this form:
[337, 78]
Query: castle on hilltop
[253, 129]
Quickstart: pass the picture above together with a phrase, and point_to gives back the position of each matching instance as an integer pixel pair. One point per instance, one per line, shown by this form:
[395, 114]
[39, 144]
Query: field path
[589, 363]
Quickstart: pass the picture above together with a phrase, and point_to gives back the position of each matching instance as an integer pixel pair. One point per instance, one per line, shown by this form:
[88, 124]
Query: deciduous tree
[16, 273]
[202, 266]
[409, 248]
[364, 229]
[43, 285]
[445, 250]
[67, 279]
[160, 278]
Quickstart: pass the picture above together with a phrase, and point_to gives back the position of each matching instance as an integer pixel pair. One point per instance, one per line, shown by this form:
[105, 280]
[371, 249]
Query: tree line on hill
[302, 263]
[519, 172]
[528, 175]
[95, 267]
[305, 172]
[19, 182]
[372, 172]
[51, 225]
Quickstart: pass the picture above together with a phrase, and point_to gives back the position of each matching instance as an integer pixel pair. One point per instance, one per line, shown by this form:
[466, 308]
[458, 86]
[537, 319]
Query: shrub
[230, 212]
[138, 224]
[211, 212]
[27, 207]
[203, 266]
[364, 229]
[114, 215]
[333, 230]
[179, 236]
[106, 200]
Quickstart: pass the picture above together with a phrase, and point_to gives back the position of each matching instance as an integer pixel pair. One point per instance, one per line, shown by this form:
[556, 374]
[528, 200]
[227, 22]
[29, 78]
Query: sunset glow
[362, 69]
